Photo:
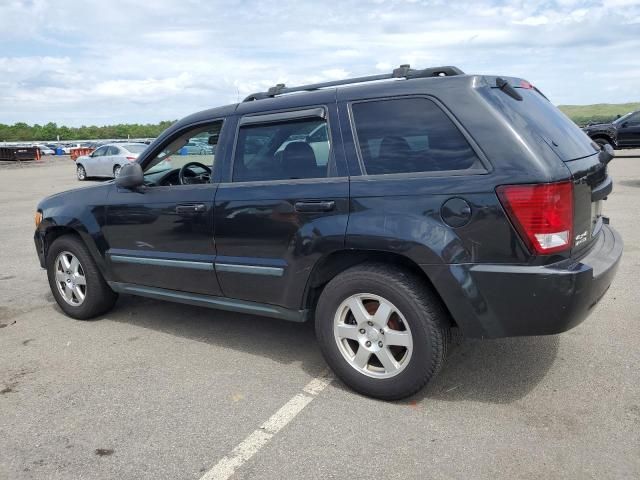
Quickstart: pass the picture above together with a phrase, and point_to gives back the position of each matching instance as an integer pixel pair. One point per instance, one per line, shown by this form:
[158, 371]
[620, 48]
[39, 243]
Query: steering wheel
[194, 177]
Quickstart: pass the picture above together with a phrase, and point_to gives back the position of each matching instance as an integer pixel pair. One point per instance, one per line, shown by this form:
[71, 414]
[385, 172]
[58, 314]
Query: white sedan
[44, 150]
[107, 160]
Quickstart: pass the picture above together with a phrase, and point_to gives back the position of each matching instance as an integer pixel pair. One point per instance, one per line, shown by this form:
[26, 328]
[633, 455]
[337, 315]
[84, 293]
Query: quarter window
[282, 151]
[410, 135]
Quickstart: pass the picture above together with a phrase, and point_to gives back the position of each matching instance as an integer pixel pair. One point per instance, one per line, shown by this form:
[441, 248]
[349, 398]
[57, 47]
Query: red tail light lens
[542, 214]
[131, 159]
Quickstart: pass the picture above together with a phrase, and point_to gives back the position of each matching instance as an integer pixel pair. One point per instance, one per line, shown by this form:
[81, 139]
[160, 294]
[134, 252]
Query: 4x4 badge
[581, 238]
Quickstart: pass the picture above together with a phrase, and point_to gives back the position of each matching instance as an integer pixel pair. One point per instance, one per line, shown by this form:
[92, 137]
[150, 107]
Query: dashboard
[171, 176]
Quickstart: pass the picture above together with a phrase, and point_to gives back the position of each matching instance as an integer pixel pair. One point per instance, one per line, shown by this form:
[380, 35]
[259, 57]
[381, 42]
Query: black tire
[81, 173]
[422, 310]
[99, 297]
[116, 171]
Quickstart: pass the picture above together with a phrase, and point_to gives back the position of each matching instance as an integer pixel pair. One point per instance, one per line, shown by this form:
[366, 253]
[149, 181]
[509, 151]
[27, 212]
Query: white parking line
[260, 437]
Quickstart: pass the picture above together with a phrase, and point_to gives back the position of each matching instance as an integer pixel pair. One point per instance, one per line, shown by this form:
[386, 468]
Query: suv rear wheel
[382, 330]
[75, 281]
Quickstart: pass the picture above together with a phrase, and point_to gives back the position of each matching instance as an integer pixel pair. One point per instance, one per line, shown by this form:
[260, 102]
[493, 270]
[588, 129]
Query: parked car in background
[623, 132]
[196, 148]
[44, 150]
[107, 160]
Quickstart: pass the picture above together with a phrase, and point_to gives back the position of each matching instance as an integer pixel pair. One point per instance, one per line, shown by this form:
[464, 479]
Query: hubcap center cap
[372, 335]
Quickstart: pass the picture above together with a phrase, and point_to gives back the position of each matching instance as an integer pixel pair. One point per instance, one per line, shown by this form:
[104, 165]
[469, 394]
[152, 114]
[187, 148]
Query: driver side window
[100, 152]
[188, 158]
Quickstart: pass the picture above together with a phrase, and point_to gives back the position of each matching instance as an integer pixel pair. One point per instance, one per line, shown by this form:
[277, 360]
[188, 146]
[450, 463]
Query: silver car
[107, 160]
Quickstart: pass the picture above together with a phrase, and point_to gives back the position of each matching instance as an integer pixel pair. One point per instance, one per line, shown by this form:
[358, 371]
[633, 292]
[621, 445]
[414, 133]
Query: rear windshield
[135, 148]
[536, 113]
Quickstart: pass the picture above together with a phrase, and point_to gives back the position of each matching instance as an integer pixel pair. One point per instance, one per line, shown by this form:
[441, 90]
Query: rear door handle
[315, 206]
[191, 208]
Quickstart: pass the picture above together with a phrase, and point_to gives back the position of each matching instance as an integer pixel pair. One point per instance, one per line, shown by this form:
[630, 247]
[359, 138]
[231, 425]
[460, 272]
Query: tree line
[22, 132]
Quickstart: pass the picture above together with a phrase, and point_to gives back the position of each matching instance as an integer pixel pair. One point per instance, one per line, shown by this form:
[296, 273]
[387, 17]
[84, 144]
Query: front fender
[82, 212]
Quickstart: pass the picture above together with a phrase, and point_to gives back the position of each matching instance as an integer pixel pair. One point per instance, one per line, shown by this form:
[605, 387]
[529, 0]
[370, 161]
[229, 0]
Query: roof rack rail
[403, 71]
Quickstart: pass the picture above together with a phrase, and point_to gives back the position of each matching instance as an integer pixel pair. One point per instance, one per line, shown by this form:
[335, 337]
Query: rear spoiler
[508, 85]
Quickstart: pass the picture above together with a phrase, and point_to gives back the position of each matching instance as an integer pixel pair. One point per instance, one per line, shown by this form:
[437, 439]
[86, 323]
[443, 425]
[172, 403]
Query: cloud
[103, 62]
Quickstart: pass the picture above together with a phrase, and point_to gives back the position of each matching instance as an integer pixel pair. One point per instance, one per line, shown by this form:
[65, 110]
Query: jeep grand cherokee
[387, 209]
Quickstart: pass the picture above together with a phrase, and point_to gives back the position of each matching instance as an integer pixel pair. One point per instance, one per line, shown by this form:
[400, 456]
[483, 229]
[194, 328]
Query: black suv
[623, 132]
[388, 211]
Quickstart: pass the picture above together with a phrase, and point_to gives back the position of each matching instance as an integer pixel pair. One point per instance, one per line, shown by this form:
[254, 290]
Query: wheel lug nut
[362, 331]
[382, 331]
[380, 344]
[370, 324]
[368, 344]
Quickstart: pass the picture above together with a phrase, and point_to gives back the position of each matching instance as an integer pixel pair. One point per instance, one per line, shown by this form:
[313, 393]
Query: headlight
[38, 218]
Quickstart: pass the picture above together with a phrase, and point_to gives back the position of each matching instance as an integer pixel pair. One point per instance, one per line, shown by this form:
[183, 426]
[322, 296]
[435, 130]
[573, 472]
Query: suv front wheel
[382, 330]
[75, 281]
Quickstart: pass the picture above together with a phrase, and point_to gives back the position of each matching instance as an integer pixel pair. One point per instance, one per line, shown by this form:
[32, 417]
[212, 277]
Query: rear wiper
[506, 87]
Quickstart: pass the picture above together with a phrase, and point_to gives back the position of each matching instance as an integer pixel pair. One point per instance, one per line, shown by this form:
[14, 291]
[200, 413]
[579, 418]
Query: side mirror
[130, 176]
[625, 124]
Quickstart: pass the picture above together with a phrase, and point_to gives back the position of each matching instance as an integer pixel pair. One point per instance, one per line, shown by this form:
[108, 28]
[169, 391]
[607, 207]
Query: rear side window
[410, 135]
[289, 150]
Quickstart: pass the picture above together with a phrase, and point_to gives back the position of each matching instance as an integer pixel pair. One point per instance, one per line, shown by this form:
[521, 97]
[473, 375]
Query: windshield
[622, 118]
[536, 114]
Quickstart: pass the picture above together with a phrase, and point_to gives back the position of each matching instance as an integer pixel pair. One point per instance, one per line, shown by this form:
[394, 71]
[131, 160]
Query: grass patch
[599, 112]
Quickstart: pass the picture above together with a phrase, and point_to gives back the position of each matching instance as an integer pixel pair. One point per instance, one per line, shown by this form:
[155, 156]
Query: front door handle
[191, 208]
[315, 206]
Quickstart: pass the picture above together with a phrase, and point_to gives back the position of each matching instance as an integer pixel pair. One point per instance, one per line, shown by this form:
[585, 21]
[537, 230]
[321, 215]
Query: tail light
[542, 214]
[131, 159]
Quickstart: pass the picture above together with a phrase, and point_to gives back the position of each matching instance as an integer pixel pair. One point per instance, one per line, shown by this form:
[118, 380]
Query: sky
[86, 62]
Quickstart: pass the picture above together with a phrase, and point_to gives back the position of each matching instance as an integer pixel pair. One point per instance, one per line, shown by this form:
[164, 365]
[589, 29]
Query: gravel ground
[158, 390]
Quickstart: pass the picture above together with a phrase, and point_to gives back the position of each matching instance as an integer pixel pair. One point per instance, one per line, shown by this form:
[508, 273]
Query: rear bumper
[512, 300]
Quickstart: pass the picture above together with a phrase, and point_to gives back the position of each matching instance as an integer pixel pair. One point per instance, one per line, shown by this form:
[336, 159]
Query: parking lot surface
[156, 390]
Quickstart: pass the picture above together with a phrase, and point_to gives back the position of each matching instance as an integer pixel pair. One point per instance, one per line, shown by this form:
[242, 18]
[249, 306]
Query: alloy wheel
[70, 279]
[373, 336]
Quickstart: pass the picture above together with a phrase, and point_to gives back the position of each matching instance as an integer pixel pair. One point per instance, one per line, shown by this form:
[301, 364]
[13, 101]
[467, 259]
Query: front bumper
[512, 300]
[39, 241]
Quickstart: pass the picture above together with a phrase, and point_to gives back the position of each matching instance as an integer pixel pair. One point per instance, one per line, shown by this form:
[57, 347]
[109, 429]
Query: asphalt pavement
[155, 390]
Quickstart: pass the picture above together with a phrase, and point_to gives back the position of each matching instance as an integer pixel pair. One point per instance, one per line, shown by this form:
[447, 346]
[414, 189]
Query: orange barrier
[78, 152]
